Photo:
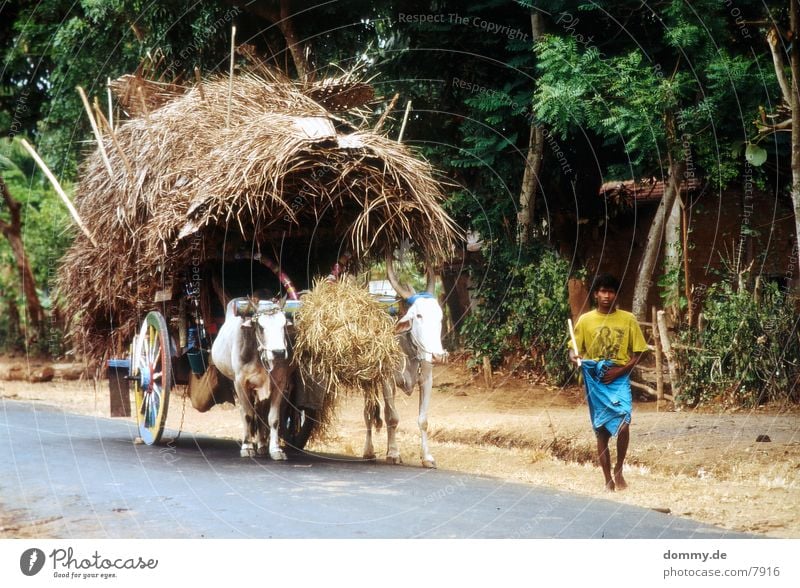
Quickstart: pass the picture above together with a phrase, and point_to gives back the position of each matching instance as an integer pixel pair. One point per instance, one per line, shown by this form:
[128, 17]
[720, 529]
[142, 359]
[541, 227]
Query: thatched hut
[206, 181]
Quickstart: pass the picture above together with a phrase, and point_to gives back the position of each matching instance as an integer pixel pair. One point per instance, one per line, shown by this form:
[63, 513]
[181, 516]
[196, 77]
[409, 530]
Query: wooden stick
[487, 371]
[230, 76]
[386, 112]
[101, 120]
[687, 278]
[199, 83]
[113, 136]
[574, 341]
[659, 367]
[97, 134]
[59, 190]
[645, 388]
[664, 334]
[405, 120]
[110, 104]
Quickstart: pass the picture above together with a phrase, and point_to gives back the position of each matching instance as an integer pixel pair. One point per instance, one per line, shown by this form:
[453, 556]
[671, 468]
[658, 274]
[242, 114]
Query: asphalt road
[89, 480]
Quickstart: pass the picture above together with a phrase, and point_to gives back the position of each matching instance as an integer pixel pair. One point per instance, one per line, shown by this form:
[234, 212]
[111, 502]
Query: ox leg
[369, 417]
[262, 414]
[391, 417]
[248, 416]
[425, 390]
[278, 379]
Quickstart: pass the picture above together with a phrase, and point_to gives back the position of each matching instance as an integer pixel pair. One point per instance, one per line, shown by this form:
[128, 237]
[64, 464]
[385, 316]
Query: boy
[609, 343]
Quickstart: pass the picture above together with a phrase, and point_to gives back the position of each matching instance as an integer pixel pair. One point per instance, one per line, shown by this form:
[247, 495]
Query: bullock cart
[253, 185]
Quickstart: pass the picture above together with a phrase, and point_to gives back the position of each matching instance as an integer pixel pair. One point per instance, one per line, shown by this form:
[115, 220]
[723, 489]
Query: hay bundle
[345, 338]
[218, 168]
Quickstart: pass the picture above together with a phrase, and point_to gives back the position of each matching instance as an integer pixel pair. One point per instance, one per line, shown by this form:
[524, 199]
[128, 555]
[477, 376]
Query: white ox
[251, 351]
[420, 335]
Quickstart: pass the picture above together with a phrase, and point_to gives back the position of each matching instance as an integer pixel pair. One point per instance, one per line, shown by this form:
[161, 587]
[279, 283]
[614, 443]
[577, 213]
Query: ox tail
[373, 408]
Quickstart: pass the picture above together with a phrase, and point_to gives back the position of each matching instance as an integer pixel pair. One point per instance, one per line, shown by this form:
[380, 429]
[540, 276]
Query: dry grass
[191, 183]
[345, 338]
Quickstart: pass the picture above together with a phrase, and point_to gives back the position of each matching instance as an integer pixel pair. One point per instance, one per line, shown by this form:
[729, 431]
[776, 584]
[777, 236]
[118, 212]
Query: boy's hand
[613, 373]
[574, 357]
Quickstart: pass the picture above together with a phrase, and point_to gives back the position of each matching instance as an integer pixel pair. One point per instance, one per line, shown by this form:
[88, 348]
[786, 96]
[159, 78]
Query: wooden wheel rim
[151, 366]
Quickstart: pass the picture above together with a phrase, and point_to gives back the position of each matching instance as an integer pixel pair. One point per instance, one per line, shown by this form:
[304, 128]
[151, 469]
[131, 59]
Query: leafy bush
[523, 310]
[748, 353]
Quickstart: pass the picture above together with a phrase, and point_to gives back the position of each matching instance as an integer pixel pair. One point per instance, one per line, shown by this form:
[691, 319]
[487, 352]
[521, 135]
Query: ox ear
[403, 326]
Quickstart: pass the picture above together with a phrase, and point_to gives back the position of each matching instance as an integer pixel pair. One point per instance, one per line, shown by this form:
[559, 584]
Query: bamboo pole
[230, 75]
[405, 120]
[113, 136]
[386, 112]
[96, 130]
[659, 362]
[59, 190]
[110, 99]
[102, 122]
[664, 334]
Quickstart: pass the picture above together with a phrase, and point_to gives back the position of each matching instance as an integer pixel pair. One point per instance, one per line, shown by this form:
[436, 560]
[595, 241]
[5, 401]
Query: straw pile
[345, 338]
[197, 174]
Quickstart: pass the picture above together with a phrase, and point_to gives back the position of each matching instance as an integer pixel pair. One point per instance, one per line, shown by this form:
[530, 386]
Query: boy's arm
[616, 371]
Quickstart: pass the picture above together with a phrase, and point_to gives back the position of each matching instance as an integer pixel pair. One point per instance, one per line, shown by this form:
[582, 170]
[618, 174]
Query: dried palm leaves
[185, 181]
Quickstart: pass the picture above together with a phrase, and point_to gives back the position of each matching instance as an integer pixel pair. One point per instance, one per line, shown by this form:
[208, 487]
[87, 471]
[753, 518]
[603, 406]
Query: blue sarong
[609, 404]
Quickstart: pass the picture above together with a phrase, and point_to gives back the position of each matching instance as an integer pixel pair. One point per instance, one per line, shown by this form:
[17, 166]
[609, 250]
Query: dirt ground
[701, 464]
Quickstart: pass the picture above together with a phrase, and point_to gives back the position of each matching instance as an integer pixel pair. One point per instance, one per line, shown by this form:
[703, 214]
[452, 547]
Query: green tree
[671, 85]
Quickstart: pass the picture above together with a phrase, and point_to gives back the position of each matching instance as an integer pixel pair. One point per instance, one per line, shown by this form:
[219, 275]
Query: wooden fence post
[487, 371]
[659, 361]
[665, 342]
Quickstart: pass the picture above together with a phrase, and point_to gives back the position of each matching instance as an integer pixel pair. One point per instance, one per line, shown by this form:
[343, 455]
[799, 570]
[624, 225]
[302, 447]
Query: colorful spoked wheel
[151, 370]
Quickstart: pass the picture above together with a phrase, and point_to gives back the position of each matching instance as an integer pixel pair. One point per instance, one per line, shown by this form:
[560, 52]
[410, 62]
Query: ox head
[423, 321]
[269, 324]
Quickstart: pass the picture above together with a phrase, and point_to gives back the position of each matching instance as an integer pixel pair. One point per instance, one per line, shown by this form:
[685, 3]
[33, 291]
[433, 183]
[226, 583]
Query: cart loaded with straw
[253, 185]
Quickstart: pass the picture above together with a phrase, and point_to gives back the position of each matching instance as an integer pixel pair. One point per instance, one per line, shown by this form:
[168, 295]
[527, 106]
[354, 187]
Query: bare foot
[619, 481]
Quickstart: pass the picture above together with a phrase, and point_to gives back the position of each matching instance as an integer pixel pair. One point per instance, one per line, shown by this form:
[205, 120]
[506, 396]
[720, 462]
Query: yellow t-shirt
[613, 336]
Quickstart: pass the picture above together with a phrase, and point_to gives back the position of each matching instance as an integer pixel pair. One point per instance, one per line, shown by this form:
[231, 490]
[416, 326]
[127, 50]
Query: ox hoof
[429, 463]
[394, 459]
[278, 455]
[262, 451]
[247, 452]
[369, 456]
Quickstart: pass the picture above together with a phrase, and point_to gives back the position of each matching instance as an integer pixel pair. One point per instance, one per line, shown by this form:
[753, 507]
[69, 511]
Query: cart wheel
[151, 368]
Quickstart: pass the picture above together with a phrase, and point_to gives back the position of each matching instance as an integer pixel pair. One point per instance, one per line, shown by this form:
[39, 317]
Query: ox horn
[431, 287]
[405, 291]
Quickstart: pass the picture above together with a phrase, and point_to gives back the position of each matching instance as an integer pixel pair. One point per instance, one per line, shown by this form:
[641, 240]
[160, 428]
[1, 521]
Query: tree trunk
[795, 66]
[533, 161]
[655, 238]
[286, 25]
[672, 258]
[282, 17]
[12, 231]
